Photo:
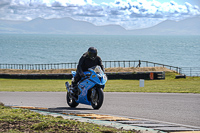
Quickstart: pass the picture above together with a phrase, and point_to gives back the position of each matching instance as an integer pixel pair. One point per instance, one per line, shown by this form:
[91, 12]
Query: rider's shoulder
[98, 57]
[85, 55]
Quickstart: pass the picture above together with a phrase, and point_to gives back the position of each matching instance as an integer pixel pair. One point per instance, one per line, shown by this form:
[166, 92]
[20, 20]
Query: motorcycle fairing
[84, 87]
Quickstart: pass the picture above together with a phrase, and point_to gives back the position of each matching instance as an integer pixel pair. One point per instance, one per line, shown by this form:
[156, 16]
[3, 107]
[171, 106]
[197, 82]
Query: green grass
[32, 85]
[22, 120]
[169, 85]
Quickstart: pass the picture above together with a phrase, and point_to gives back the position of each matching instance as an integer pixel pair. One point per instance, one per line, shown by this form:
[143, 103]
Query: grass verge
[169, 85]
[23, 120]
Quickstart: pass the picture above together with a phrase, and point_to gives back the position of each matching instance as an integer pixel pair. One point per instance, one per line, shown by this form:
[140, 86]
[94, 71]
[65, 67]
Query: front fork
[93, 93]
[94, 96]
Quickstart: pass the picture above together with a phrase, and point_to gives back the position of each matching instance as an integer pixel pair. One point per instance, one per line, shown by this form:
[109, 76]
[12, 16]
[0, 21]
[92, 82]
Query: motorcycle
[90, 89]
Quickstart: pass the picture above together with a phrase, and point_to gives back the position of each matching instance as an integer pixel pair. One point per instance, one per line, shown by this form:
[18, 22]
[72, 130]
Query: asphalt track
[177, 108]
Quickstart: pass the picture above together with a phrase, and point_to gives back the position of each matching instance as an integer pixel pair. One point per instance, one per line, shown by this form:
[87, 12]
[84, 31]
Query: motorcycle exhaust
[67, 86]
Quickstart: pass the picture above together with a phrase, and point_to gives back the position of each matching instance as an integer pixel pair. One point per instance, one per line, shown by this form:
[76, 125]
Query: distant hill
[190, 26]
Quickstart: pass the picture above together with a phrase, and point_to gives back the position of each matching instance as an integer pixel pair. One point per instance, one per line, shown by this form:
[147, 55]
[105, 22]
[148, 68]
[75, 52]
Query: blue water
[180, 51]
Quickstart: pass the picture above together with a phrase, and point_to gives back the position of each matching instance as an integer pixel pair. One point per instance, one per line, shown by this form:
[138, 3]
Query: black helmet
[92, 53]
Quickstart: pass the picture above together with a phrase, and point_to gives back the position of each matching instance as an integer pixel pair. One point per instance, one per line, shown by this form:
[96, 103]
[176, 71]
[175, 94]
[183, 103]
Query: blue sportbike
[90, 89]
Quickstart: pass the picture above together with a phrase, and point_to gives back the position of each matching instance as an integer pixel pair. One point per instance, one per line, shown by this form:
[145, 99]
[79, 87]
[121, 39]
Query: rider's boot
[75, 89]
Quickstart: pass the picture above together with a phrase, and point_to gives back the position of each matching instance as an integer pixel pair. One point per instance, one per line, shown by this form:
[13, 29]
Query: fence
[190, 71]
[107, 64]
[39, 66]
[138, 63]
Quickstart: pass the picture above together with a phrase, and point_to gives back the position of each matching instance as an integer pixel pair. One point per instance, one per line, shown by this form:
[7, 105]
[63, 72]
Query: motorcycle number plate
[93, 76]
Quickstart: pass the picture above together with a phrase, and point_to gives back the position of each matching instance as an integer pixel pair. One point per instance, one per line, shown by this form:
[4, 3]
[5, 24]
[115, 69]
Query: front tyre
[71, 101]
[97, 97]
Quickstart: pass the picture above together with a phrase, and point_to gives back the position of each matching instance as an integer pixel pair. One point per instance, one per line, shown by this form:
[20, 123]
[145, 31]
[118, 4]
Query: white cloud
[129, 14]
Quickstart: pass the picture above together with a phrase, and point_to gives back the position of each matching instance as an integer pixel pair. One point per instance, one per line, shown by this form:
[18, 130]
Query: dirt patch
[55, 71]
[139, 69]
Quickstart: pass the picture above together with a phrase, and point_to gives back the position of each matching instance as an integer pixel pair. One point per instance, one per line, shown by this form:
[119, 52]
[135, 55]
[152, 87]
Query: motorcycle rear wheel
[71, 101]
[99, 96]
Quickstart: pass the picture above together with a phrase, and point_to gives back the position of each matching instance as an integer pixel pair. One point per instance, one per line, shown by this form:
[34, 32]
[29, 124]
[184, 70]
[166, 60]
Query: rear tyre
[71, 101]
[97, 99]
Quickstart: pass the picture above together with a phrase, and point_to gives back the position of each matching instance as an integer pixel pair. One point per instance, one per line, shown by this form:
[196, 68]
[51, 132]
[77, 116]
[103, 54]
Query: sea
[179, 51]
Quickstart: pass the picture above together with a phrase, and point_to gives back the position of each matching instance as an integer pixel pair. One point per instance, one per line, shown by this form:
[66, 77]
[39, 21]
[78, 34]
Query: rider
[88, 60]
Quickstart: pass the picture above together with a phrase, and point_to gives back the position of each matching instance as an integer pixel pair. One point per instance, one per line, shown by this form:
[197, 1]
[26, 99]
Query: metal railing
[107, 64]
[190, 71]
[138, 63]
[39, 66]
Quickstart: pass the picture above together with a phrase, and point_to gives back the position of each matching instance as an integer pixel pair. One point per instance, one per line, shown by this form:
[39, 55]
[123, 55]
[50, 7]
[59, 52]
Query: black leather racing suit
[84, 63]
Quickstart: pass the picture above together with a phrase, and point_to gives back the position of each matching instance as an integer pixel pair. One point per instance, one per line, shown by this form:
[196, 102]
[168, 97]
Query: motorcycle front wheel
[97, 99]
[71, 101]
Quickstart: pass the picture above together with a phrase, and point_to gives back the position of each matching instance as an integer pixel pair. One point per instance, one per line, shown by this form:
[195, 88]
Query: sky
[193, 2]
[130, 14]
